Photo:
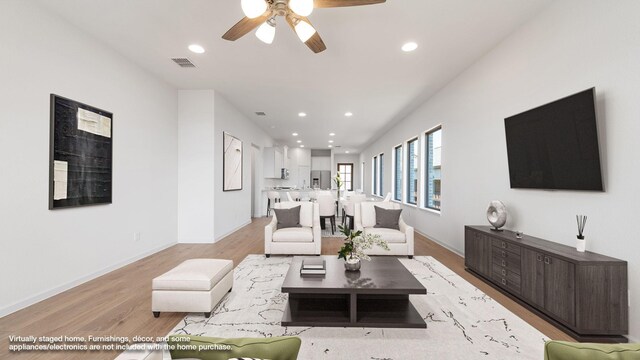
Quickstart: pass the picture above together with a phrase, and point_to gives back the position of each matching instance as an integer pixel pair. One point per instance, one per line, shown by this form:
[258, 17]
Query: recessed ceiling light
[302, 114]
[346, 152]
[273, 126]
[301, 146]
[348, 114]
[330, 146]
[410, 46]
[330, 141]
[332, 134]
[299, 141]
[295, 134]
[196, 48]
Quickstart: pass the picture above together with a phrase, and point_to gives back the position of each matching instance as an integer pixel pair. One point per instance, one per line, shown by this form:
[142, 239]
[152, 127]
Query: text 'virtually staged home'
[319, 179]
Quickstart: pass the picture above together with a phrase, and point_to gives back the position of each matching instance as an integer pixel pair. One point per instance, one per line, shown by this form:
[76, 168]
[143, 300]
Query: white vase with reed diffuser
[581, 243]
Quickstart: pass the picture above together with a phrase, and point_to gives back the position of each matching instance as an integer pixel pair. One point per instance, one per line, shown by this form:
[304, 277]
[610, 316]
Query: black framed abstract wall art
[80, 154]
[232, 163]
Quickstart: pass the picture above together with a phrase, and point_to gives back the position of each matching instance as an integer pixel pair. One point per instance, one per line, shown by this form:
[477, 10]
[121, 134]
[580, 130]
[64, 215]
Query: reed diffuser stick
[582, 221]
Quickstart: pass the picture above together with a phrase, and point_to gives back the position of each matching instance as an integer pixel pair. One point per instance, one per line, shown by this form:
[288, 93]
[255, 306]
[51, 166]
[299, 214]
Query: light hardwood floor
[119, 303]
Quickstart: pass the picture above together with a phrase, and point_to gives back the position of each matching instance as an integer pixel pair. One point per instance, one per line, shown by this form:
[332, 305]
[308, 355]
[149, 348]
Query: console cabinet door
[477, 252]
[559, 289]
[532, 288]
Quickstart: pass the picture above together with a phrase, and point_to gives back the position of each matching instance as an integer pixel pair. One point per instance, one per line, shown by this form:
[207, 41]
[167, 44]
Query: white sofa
[304, 240]
[400, 241]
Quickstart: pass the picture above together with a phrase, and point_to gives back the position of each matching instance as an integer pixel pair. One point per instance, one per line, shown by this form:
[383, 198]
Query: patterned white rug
[462, 321]
[326, 232]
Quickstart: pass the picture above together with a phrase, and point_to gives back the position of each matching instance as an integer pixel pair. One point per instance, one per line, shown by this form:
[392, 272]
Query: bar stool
[295, 195]
[348, 209]
[272, 198]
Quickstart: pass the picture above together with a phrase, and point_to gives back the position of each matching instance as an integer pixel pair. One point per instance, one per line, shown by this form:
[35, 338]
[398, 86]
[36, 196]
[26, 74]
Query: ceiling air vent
[261, 113]
[183, 62]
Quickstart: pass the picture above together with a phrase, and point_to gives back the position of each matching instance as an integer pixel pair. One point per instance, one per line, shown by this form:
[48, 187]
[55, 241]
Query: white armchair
[400, 241]
[304, 240]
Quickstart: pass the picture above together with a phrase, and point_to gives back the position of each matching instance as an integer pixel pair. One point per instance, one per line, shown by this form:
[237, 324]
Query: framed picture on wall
[80, 154]
[232, 163]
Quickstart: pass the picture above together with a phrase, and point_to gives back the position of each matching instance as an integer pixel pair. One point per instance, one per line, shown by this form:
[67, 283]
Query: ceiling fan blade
[315, 42]
[244, 26]
[342, 3]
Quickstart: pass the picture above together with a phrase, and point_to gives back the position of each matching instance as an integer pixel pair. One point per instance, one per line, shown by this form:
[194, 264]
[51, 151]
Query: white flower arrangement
[356, 243]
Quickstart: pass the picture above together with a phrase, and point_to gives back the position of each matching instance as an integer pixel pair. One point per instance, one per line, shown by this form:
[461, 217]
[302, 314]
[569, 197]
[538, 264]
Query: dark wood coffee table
[375, 296]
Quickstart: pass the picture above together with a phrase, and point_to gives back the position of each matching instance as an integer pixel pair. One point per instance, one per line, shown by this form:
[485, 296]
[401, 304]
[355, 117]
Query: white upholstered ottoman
[196, 285]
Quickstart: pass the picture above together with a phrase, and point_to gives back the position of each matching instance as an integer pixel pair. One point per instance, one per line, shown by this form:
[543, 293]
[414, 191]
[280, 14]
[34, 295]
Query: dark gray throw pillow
[387, 218]
[288, 218]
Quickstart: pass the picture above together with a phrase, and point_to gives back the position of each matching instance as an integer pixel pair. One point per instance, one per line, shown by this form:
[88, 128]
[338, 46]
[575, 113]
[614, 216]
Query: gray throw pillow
[288, 218]
[387, 218]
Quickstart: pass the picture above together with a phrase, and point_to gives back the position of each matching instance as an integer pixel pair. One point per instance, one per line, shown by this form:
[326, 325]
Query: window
[397, 173]
[346, 174]
[374, 176]
[380, 174]
[433, 165]
[361, 176]
[377, 174]
[412, 171]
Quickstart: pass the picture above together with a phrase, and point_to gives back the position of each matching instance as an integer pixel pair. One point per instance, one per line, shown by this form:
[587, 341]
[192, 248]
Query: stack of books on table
[313, 267]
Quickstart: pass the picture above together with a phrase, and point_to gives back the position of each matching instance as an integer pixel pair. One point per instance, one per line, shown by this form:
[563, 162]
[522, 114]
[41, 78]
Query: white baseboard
[444, 245]
[232, 231]
[64, 287]
[196, 241]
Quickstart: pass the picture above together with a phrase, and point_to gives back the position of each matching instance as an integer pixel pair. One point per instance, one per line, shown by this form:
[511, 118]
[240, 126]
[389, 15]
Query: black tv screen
[555, 146]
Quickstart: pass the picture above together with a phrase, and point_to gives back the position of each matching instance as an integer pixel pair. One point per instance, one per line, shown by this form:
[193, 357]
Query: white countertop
[286, 190]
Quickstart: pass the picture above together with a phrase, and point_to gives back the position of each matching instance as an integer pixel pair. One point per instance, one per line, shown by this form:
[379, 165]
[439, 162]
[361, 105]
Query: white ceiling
[363, 69]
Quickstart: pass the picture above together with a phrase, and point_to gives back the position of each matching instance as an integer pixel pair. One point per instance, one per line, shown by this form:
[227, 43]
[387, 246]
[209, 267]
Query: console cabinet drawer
[506, 259]
[506, 245]
[506, 279]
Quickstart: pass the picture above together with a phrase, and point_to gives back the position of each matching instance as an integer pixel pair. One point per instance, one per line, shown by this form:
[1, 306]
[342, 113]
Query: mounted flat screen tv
[555, 146]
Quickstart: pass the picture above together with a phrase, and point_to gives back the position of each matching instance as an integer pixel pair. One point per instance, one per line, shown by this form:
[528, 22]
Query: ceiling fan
[262, 14]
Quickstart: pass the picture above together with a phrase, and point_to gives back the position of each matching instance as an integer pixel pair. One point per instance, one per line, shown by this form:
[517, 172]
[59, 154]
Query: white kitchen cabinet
[273, 162]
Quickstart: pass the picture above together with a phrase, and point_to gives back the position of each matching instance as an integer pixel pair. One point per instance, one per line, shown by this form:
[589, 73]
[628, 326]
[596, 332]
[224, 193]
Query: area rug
[462, 321]
[326, 232]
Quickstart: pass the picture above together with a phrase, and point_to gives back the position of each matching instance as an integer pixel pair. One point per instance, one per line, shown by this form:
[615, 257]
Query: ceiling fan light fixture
[409, 47]
[253, 8]
[304, 30]
[301, 7]
[267, 31]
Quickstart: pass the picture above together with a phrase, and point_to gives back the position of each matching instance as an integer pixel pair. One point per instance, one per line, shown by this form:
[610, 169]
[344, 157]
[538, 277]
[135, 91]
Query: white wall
[571, 46]
[206, 213]
[44, 251]
[233, 208]
[196, 172]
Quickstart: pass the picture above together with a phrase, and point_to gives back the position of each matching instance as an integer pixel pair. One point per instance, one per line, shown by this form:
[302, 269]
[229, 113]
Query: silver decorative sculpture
[497, 214]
